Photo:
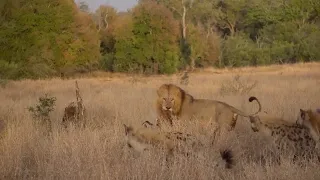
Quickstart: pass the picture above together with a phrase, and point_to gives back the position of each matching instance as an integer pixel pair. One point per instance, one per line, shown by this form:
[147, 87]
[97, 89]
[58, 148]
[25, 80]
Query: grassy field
[98, 152]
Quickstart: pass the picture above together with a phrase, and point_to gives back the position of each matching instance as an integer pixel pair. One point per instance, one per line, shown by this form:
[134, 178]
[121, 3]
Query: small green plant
[42, 110]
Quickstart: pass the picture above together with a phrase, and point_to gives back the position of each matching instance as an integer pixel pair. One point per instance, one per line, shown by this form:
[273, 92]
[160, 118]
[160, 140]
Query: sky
[120, 5]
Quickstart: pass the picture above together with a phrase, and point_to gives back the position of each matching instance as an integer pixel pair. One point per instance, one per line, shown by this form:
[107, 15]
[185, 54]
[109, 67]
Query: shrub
[238, 51]
[41, 111]
[290, 42]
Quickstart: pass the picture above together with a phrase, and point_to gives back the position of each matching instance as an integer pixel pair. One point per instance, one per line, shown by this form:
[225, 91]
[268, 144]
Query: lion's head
[170, 99]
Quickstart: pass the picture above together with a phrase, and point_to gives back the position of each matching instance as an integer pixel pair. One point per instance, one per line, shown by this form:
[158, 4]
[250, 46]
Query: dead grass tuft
[237, 86]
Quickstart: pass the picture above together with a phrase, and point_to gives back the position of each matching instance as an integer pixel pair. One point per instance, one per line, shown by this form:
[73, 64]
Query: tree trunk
[192, 63]
[184, 28]
[231, 28]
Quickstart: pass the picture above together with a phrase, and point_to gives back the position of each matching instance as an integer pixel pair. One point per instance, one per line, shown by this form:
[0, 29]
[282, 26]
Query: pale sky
[120, 5]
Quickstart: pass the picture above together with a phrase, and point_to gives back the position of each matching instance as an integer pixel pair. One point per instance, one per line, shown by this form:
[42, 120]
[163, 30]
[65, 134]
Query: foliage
[43, 38]
[237, 50]
[204, 46]
[39, 38]
[105, 18]
[41, 111]
[291, 42]
[277, 32]
[148, 44]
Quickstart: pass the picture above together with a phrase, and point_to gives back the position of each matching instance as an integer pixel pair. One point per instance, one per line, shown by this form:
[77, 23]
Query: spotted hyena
[287, 136]
[173, 143]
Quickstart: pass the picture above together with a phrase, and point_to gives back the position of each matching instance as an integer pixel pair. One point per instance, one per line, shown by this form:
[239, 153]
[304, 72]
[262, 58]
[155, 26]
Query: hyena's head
[255, 123]
[305, 118]
[128, 130]
[133, 140]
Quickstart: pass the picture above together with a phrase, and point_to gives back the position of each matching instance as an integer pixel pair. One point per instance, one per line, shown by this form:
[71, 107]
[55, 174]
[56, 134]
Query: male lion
[174, 103]
[311, 120]
[145, 139]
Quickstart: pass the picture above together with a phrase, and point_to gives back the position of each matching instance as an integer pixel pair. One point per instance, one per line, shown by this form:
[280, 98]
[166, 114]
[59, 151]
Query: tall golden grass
[99, 151]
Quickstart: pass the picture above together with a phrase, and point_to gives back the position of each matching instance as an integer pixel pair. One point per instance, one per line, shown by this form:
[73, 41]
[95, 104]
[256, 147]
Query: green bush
[41, 111]
[40, 37]
[309, 43]
[8, 70]
[291, 42]
[147, 41]
[238, 51]
[107, 61]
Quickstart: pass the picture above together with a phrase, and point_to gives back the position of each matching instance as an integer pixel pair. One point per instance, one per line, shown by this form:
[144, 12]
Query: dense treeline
[40, 38]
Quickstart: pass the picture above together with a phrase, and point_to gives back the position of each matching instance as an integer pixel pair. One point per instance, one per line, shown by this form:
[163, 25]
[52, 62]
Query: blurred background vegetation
[45, 38]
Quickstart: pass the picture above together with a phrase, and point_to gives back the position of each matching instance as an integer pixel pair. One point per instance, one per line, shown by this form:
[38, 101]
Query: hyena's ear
[127, 129]
[318, 110]
[302, 114]
[147, 124]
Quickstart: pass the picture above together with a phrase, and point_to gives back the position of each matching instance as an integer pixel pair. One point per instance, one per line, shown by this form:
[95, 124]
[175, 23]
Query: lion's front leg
[211, 128]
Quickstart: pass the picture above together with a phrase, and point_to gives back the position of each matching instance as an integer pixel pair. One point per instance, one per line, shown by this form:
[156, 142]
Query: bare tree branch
[184, 28]
[174, 9]
[106, 21]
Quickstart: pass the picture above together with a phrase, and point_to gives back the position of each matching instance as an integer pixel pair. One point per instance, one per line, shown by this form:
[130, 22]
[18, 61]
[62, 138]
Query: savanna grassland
[98, 151]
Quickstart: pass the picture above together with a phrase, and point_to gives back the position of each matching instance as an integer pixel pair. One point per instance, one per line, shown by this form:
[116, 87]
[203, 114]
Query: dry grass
[98, 152]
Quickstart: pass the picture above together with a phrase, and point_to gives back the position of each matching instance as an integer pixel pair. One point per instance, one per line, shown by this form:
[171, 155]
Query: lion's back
[205, 109]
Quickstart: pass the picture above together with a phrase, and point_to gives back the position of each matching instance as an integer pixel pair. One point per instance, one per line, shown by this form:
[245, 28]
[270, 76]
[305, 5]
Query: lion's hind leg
[216, 126]
[216, 131]
[233, 122]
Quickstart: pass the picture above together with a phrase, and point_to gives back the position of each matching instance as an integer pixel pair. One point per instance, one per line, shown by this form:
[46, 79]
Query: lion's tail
[227, 157]
[224, 159]
[252, 98]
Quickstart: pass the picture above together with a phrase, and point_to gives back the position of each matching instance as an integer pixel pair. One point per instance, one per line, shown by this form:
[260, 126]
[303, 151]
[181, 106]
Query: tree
[41, 38]
[118, 32]
[180, 9]
[204, 46]
[105, 17]
[148, 44]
